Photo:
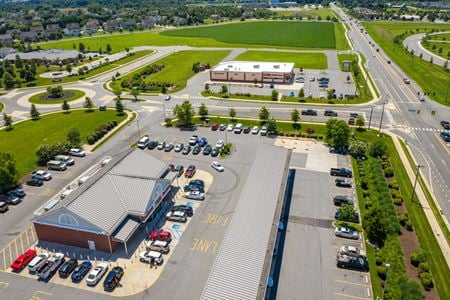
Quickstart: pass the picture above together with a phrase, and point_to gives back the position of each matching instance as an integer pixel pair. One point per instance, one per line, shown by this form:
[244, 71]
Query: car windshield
[91, 276]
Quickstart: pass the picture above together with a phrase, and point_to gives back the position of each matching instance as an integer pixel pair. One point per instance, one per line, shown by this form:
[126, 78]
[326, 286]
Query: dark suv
[309, 112]
[67, 268]
[113, 279]
[330, 113]
[340, 200]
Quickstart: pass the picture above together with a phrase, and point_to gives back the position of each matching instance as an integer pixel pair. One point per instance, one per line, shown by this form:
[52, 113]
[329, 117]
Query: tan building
[258, 72]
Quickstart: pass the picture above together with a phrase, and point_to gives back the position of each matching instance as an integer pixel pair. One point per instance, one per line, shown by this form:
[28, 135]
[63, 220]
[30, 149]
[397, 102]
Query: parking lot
[308, 262]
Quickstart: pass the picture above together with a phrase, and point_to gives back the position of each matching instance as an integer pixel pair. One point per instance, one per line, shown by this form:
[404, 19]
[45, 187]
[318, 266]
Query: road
[413, 43]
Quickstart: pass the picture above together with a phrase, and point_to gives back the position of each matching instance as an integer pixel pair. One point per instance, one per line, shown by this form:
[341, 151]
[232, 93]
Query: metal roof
[238, 270]
[256, 67]
[51, 55]
[126, 230]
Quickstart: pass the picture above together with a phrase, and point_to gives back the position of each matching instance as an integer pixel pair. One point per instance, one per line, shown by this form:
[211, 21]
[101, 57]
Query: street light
[381, 120]
[388, 267]
[139, 130]
[370, 117]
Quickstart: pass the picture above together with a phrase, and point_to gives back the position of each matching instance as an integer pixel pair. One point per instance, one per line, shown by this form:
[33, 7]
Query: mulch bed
[65, 96]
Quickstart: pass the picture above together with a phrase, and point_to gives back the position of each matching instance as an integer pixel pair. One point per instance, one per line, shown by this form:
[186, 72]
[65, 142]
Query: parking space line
[35, 297]
[21, 243]
[17, 250]
[349, 296]
[4, 285]
[4, 260]
[351, 283]
[26, 235]
[10, 253]
[350, 271]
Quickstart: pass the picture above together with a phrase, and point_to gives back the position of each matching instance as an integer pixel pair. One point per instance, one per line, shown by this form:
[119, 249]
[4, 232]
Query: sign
[175, 226]
[411, 110]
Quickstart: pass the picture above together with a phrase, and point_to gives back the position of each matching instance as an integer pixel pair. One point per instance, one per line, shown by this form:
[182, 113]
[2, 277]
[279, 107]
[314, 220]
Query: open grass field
[1, 106]
[430, 77]
[178, 67]
[305, 13]
[341, 40]
[26, 136]
[439, 48]
[304, 60]
[277, 34]
[69, 95]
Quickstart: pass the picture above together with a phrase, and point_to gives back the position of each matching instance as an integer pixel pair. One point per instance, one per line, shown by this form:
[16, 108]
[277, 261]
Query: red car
[160, 235]
[190, 172]
[214, 127]
[23, 259]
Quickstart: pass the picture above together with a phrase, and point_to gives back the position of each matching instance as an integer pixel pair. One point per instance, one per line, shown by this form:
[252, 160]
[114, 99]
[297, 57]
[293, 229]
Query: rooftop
[252, 66]
[51, 55]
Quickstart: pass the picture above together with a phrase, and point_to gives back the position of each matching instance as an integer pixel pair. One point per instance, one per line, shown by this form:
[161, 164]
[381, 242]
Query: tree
[135, 93]
[337, 133]
[271, 125]
[34, 114]
[117, 92]
[224, 89]
[232, 113]
[375, 224]
[301, 93]
[8, 81]
[163, 89]
[357, 148]
[360, 122]
[69, 68]
[88, 104]
[377, 148]
[274, 95]
[295, 117]
[8, 171]
[119, 107]
[65, 106]
[74, 137]
[55, 91]
[203, 111]
[264, 114]
[348, 214]
[184, 113]
[81, 47]
[7, 121]
[46, 152]
[108, 48]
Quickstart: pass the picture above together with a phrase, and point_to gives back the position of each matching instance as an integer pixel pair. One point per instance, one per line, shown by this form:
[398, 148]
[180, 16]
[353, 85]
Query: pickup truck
[343, 172]
[51, 266]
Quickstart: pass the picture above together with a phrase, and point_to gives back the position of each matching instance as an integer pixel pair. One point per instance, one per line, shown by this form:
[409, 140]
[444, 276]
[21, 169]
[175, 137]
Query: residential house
[129, 24]
[215, 17]
[5, 51]
[148, 23]
[177, 21]
[38, 30]
[111, 25]
[52, 28]
[13, 32]
[72, 29]
[28, 36]
[91, 26]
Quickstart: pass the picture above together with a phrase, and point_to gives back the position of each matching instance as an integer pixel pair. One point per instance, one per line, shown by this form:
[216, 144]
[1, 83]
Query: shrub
[378, 260]
[395, 194]
[309, 130]
[424, 267]
[364, 184]
[91, 140]
[393, 185]
[381, 271]
[114, 122]
[417, 257]
[365, 193]
[398, 201]
[426, 280]
[388, 172]
[403, 218]
[409, 226]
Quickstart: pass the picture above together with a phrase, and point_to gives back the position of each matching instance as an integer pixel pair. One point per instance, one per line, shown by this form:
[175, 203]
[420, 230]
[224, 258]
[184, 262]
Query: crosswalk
[427, 129]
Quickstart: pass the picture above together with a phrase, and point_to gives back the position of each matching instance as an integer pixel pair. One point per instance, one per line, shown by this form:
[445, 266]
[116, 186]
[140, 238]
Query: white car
[255, 129]
[351, 251]
[151, 256]
[177, 216]
[230, 127]
[195, 195]
[346, 233]
[78, 152]
[37, 262]
[220, 144]
[264, 130]
[312, 79]
[42, 175]
[96, 275]
[167, 98]
[217, 166]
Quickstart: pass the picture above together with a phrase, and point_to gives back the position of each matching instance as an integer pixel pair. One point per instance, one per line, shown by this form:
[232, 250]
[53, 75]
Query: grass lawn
[1, 106]
[305, 13]
[341, 40]
[430, 77]
[68, 95]
[178, 67]
[26, 136]
[444, 53]
[304, 60]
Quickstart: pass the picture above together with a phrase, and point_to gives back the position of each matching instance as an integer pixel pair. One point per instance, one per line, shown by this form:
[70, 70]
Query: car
[10, 199]
[347, 233]
[202, 142]
[167, 98]
[323, 79]
[18, 192]
[214, 127]
[351, 251]
[160, 235]
[330, 113]
[42, 175]
[350, 262]
[378, 49]
[67, 268]
[406, 81]
[312, 79]
[186, 208]
[193, 140]
[179, 147]
[152, 145]
[422, 98]
[215, 152]
[389, 62]
[37, 262]
[207, 150]
[168, 147]
[78, 152]
[309, 112]
[186, 150]
[255, 129]
[51, 265]
[263, 131]
[198, 182]
[193, 187]
[271, 85]
[3, 206]
[190, 171]
[220, 144]
[196, 150]
[179, 169]
[340, 200]
[344, 172]
[158, 246]
[343, 183]
[321, 96]
[23, 259]
[217, 166]
[222, 127]
[161, 145]
[353, 115]
[96, 274]
[339, 150]
[445, 124]
[34, 182]
[195, 195]
[113, 278]
[80, 271]
[177, 216]
[247, 129]
[300, 80]
[323, 86]
[151, 257]
[230, 127]
[445, 136]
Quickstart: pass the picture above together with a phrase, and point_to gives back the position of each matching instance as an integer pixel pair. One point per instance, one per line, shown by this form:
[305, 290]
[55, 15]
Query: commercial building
[257, 72]
[106, 210]
[51, 55]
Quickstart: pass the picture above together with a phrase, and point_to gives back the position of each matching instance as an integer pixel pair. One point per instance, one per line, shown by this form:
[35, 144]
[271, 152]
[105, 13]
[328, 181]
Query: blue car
[445, 136]
[202, 142]
[80, 271]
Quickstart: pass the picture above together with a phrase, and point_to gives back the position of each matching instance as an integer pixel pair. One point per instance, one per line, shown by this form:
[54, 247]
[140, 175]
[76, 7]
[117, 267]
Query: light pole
[139, 130]
[370, 117]
[415, 182]
[381, 120]
[388, 267]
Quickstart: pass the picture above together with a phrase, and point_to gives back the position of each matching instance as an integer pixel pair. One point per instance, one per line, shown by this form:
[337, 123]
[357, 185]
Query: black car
[113, 278]
[186, 150]
[323, 79]
[330, 113]
[34, 182]
[343, 183]
[18, 192]
[445, 136]
[197, 182]
[184, 208]
[67, 268]
[445, 124]
[193, 187]
[80, 271]
[247, 129]
[354, 115]
[207, 150]
[309, 112]
[196, 150]
[152, 145]
[215, 152]
[179, 169]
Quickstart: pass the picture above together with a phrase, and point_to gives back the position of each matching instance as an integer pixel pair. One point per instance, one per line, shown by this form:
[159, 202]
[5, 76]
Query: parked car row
[45, 266]
[11, 197]
[239, 128]
[196, 145]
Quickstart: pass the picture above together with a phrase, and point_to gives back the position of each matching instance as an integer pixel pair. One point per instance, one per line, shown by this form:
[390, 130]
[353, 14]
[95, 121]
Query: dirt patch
[65, 96]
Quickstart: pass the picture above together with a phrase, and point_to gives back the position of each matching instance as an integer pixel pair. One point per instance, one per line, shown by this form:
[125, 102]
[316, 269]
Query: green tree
[88, 104]
[274, 96]
[264, 114]
[108, 48]
[118, 93]
[19, 62]
[81, 47]
[338, 133]
[34, 114]
[301, 93]
[295, 116]
[271, 125]
[46, 152]
[203, 111]
[74, 137]
[7, 121]
[232, 113]
[163, 89]
[360, 122]
[357, 148]
[135, 93]
[377, 148]
[224, 89]
[8, 171]
[65, 106]
[119, 107]
[69, 68]
[8, 81]
[347, 213]
[55, 91]
[184, 113]
[375, 224]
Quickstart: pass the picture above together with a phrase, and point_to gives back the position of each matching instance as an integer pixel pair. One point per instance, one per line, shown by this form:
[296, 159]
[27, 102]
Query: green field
[1, 106]
[436, 47]
[26, 136]
[178, 67]
[430, 77]
[300, 59]
[305, 13]
[277, 34]
[71, 95]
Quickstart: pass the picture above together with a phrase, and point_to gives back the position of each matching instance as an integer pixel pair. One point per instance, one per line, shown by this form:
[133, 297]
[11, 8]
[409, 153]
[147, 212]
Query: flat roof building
[51, 55]
[257, 72]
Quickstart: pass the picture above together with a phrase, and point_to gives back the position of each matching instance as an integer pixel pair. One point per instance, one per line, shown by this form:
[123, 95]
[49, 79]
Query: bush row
[101, 131]
[419, 260]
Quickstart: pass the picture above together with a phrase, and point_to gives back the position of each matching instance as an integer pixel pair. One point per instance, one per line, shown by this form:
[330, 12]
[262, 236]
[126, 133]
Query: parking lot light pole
[370, 117]
[388, 267]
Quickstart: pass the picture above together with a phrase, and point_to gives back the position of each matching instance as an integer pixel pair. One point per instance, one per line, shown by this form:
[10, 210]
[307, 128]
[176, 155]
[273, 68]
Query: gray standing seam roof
[126, 230]
[238, 268]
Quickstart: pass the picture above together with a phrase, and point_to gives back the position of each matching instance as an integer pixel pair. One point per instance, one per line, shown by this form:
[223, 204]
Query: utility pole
[370, 117]
[381, 120]
[139, 130]
[415, 182]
